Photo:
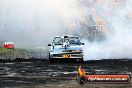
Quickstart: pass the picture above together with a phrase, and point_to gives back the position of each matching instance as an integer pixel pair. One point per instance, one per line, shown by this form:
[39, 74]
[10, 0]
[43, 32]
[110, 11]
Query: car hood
[58, 48]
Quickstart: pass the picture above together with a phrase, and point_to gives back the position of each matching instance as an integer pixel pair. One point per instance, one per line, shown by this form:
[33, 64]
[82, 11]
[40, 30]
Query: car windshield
[72, 40]
[58, 41]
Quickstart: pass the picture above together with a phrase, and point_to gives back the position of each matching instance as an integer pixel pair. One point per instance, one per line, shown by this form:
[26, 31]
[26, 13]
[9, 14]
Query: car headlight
[77, 51]
[54, 51]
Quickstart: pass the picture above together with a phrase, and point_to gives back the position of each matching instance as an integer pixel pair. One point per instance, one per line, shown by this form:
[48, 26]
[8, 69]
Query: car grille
[67, 51]
[77, 55]
[72, 55]
[58, 55]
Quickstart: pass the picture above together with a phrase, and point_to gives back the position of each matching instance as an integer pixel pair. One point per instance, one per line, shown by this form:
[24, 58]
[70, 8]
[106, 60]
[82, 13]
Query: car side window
[58, 41]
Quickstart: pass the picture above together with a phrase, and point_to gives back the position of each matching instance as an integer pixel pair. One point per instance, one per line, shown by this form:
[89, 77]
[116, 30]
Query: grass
[23, 53]
[4, 50]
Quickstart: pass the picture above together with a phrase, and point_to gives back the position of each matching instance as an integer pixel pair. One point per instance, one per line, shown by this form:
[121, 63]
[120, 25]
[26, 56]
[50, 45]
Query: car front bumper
[67, 54]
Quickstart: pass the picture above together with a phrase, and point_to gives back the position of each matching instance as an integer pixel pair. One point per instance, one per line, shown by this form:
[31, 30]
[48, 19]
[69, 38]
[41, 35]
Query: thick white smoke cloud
[32, 23]
[119, 41]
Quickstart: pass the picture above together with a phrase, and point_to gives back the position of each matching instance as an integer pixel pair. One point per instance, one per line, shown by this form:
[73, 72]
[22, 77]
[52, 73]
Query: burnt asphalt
[33, 72]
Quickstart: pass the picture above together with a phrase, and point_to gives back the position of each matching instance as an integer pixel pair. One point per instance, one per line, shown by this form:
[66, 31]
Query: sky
[34, 23]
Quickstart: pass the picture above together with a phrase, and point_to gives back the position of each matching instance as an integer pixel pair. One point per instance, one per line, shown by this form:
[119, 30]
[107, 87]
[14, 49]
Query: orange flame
[81, 71]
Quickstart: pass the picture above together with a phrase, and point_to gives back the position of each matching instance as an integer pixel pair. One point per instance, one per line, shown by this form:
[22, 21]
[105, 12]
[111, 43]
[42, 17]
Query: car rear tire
[81, 60]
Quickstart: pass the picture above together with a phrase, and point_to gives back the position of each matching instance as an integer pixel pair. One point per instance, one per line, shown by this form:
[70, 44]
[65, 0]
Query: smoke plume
[118, 40]
[34, 23]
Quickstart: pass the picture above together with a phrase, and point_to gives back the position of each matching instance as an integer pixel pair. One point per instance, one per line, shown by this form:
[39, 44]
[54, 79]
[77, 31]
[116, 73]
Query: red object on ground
[9, 45]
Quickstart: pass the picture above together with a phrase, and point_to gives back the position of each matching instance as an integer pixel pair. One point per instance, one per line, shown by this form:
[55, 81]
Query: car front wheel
[50, 59]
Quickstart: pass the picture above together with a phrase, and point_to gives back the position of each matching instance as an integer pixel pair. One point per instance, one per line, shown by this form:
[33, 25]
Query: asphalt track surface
[40, 73]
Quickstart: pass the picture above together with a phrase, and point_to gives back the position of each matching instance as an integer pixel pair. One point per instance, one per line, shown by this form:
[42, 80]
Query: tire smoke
[34, 23]
[118, 41]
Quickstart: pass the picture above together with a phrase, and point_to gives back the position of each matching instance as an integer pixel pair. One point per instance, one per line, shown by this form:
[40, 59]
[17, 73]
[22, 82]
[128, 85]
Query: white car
[66, 47]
